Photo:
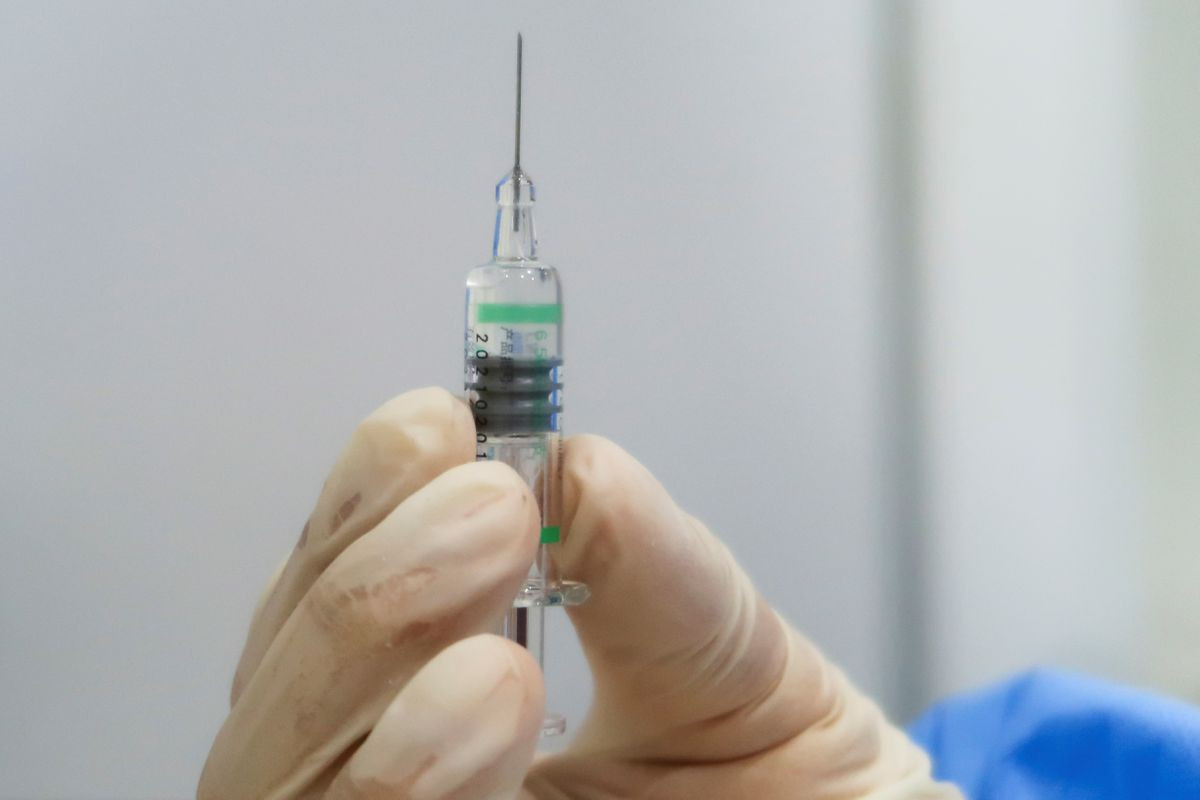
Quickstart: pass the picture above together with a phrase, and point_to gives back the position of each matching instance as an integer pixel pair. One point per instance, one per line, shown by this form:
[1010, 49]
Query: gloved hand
[367, 672]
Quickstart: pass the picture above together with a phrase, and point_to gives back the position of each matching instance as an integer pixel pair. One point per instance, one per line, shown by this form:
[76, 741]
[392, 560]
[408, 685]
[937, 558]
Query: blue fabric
[1051, 734]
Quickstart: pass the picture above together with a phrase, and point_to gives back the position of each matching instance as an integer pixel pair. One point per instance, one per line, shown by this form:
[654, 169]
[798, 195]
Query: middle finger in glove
[443, 565]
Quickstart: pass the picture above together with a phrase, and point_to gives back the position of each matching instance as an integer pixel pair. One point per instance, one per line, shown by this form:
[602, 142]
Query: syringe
[514, 382]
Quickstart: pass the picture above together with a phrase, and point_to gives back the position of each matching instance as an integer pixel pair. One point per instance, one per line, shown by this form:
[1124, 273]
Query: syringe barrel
[513, 379]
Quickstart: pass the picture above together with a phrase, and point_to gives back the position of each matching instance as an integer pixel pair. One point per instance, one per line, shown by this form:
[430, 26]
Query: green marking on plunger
[551, 534]
[519, 312]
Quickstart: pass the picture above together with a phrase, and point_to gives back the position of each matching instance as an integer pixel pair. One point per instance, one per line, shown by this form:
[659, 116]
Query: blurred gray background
[899, 298]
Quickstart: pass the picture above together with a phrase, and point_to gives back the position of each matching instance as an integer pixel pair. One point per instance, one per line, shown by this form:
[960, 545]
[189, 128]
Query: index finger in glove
[395, 451]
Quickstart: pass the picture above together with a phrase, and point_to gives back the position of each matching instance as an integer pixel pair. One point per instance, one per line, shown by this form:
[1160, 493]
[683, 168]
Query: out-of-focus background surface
[899, 298]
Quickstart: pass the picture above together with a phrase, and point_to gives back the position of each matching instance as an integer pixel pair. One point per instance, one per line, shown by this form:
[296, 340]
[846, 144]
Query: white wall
[1027, 252]
[1169, 295]
[228, 233]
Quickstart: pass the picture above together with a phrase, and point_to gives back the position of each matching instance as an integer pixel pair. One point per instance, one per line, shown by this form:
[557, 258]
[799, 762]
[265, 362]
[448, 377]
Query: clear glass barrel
[514, 385]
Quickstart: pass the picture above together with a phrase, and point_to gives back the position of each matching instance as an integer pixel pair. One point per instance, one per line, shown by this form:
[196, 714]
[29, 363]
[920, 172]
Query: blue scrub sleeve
[1053, 734]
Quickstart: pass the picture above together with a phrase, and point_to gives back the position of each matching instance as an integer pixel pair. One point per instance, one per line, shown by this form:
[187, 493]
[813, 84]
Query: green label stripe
[551, 534]
[519, 312]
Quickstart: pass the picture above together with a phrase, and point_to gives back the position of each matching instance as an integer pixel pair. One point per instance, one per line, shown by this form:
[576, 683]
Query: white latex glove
[367, 672]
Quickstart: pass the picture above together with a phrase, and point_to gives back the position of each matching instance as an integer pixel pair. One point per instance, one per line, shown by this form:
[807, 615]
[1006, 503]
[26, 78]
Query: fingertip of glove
[496, 660]
[470, 716]
[481, 483]
[598, 466]
[488, 508]
[430, 408]
[491, 677]
[604, 480]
